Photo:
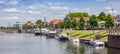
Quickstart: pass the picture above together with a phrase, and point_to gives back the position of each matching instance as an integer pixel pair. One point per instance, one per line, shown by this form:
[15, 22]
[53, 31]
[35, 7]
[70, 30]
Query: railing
[114, 31]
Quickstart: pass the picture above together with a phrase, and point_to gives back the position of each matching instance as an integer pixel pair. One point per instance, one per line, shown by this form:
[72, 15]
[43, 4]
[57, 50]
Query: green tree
[81, 23]
[74, 14]
[66, 23]
[51, 25]
[102, 16]
[93, 22]
[109, 22]
[85, 14]
[74, 23]
[62, 25]
[39, 23]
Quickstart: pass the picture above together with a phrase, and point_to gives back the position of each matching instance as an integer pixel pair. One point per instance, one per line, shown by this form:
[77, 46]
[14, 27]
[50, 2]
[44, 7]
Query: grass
[88, 34]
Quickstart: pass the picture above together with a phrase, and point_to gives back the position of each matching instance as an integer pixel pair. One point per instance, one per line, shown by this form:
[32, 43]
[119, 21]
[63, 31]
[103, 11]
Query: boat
[51, 34]
[74, 41]
[63, 37]
[96, 43]
[37, 31]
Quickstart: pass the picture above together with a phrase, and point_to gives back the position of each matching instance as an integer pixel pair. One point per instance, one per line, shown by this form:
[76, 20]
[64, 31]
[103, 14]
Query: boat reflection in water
[98, 50]
[85, 49]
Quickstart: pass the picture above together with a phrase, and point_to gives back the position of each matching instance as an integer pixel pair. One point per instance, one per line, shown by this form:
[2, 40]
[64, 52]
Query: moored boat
[63, 37]
[51, 34]
[96, 43]
[74, 41]
[37, 31]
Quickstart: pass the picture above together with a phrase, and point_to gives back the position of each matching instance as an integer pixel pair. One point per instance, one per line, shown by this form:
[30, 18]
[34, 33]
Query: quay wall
[114, 41]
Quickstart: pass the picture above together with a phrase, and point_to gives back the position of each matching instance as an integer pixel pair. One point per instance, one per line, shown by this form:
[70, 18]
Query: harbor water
[31, 44]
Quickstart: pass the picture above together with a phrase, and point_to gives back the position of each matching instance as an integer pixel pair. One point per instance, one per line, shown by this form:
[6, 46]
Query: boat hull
[37, 34]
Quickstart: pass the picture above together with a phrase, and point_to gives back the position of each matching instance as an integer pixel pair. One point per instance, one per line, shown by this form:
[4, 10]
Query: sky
[12, 11]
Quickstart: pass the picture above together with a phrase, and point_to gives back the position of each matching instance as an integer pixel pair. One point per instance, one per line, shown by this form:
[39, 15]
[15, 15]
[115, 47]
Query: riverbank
[87, 34]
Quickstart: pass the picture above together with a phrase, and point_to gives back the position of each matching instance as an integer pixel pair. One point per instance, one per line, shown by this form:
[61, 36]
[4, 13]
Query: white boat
[74, 41]
[51, 34]
[96, 43]
[37, 31]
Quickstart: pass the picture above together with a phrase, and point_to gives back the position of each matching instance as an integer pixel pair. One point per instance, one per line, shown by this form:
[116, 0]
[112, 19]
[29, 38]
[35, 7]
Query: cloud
[11, 18]
[13, 2]
[108, 8]
[58, 8]
[114, 11]
[10, 10]
[2, 1]
[34, 7]
[13, 10]
[33, 12]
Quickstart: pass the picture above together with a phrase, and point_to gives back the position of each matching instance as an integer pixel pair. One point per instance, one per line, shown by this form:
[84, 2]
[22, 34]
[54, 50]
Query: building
[56, 22]
[117, 20]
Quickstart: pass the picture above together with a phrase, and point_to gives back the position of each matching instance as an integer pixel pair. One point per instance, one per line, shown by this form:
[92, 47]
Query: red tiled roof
[78, 18]
[56, 21]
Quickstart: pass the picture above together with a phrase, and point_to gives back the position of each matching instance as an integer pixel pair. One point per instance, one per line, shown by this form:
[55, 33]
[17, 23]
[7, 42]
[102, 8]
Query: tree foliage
[93, 21]
[109, 22]
[75, 14]
[102, 16]
[81, 23]
[39, 23]
[85, 14]
[62, 25]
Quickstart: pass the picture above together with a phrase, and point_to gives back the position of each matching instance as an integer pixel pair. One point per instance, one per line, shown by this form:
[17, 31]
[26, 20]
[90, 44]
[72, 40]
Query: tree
[93, 22]
[75, 14]
[66, 23]
[39, 23]
[74, 23]
[81, 23]
[109, 22]
[62, 25]
[51, 25]
[85, 14]
[102, 16]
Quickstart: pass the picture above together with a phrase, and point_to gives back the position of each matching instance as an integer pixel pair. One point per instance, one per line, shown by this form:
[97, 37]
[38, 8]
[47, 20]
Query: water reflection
[30, 44]
[86, 49]
[113, 51]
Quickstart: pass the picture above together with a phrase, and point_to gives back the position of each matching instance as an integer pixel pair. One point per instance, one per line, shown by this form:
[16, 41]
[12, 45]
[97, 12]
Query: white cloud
[58, 8]
[2, 1]
[108, 8]
[11, 18]
[13, 2]
[33, 7]
[112, 11]
[33, 12]
[10, 10]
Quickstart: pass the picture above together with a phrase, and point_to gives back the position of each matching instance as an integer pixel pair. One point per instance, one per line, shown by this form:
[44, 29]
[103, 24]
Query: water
[30, 44]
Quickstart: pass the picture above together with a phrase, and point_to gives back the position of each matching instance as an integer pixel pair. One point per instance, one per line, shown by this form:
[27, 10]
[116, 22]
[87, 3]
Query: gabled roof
[56, 21]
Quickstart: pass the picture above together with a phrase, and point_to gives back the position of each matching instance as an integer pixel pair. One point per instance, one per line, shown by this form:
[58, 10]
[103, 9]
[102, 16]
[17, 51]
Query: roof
[85, 18]
[56, 21]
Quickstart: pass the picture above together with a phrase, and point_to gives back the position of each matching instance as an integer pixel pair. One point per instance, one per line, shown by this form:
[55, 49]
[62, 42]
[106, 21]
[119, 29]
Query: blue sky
[12, 11]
